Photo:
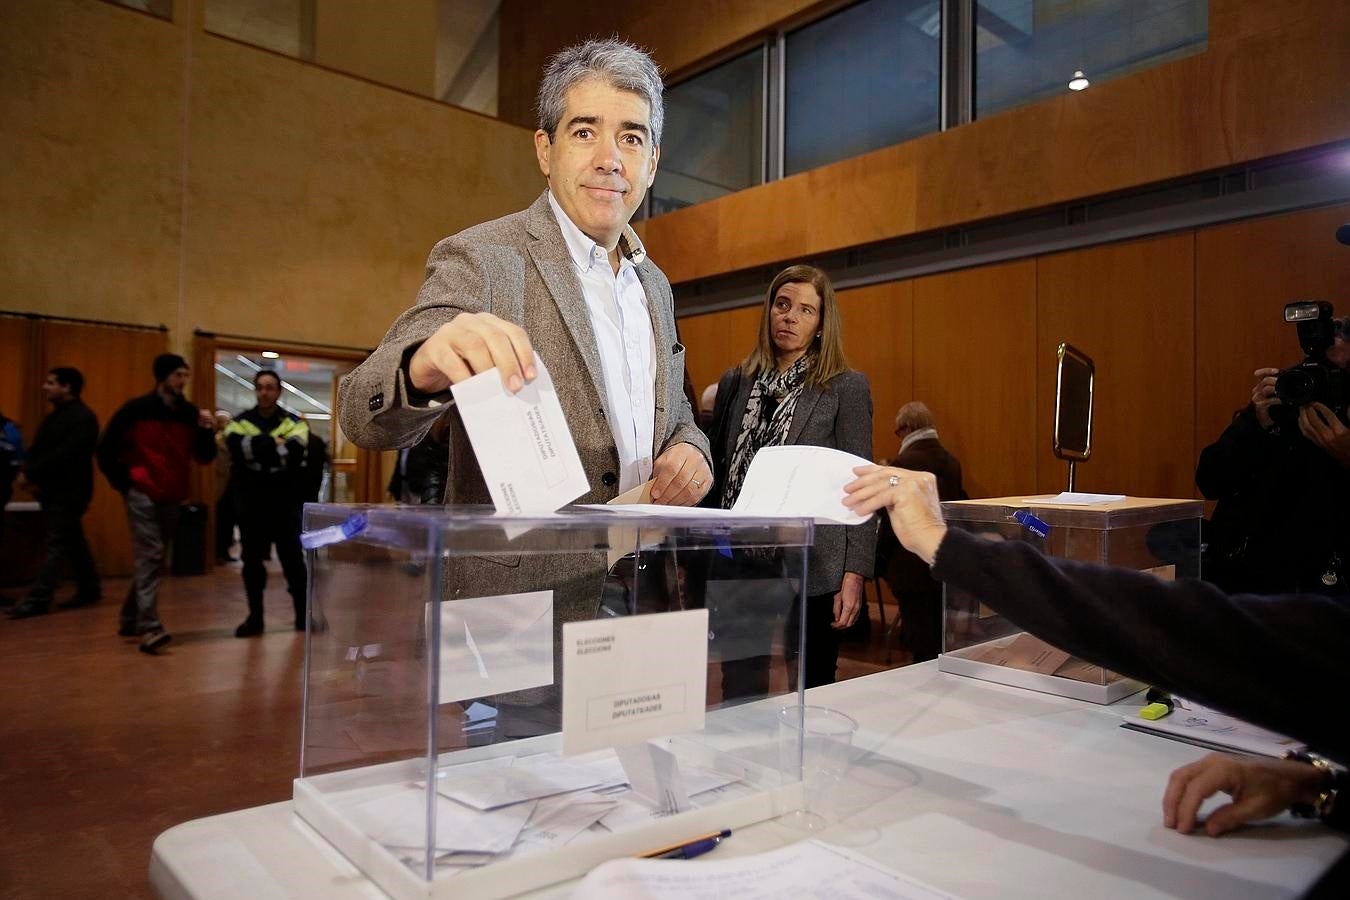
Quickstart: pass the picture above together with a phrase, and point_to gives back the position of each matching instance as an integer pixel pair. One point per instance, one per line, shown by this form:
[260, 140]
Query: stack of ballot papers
[1191, 723]
[497, 808]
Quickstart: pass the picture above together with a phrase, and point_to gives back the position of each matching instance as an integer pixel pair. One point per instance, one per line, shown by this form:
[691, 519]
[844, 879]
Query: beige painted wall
[312, 197]
[391, 42]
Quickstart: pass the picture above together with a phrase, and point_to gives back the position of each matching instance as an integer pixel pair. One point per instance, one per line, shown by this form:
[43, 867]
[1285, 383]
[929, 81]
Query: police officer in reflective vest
[268, 446]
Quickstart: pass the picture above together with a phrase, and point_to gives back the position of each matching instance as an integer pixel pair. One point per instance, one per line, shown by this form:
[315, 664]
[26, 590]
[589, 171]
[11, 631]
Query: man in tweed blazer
[497, 292]
[567, 278]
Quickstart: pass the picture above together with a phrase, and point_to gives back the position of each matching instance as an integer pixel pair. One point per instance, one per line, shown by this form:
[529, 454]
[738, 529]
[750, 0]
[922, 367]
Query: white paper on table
[1192, 723]
[399, 819]
[492, 645]
[629, 679]
[523, 445]
[1081, 499]
[804, 869]
[528, 779]
[654, 775]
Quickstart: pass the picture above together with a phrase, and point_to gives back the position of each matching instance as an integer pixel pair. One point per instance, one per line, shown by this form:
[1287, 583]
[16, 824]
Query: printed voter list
[523, 445]
[629, 679]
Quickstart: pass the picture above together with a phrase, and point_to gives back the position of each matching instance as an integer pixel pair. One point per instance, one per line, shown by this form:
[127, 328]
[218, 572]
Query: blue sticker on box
[334, 534]
[1032, 524]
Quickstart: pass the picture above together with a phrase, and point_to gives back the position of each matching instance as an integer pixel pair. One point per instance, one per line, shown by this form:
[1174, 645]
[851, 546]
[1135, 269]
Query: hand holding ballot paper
[530, 463]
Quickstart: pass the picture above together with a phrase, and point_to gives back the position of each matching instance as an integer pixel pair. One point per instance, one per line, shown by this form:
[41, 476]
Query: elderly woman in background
[795, 387]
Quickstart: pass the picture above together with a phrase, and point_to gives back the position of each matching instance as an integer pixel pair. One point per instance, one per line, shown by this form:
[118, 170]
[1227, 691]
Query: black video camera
[1314, 379]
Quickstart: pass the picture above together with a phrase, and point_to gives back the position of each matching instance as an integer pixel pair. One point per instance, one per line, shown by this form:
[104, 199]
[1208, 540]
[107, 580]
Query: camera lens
[1298, 386]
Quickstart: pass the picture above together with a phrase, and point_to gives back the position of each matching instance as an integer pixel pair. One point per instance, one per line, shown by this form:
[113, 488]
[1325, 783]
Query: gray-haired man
[567, 278]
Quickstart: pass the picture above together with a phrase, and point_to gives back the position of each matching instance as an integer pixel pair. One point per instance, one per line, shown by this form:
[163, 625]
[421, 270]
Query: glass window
[1028, 50]
[282, 26]
[866, 77]
[713, 141]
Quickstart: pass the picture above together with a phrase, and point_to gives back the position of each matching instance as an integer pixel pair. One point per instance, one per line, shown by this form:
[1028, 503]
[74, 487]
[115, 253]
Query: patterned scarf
[768, 416]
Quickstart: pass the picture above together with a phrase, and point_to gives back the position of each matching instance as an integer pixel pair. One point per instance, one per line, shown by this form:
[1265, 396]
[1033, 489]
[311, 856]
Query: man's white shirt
[623, 334]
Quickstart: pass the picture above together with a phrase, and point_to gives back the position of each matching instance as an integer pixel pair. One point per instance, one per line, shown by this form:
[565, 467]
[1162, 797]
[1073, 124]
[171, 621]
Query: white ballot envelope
[800, 481]
[786, 482]
[493, 645]
[629, 679]
[522, 442]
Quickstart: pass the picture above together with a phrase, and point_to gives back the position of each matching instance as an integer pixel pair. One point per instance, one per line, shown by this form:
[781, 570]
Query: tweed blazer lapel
[549, 252]
[806, 403]
[664, 341]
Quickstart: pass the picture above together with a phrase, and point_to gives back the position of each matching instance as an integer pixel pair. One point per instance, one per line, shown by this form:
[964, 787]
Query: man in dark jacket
[146, 454]
[59, 470]
[919, 596]
[269, 446]
[1282, 482]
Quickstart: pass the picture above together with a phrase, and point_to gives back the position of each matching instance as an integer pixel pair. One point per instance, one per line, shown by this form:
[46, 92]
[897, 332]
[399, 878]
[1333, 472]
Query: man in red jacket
[146, 454]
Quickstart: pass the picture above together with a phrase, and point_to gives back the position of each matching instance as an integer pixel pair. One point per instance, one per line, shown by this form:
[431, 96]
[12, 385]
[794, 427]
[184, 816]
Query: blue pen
[689, 849]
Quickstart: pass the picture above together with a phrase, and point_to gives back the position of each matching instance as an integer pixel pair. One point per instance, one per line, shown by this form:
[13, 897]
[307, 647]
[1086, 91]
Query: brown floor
[103, 747]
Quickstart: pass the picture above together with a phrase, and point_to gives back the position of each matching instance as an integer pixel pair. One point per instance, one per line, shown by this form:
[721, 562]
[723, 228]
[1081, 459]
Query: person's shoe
[29, 608]
[250, 627]
[154, 640]
[128, 631]
[7, 601]
[79, 600]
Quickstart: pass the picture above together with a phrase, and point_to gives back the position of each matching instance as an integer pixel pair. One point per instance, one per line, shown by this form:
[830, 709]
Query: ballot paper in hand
[522, 442]
[800, 481]
[782, 482]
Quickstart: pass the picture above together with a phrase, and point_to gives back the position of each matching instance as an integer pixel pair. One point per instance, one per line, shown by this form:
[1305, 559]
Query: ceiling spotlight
[272, 354]
[1079, 81]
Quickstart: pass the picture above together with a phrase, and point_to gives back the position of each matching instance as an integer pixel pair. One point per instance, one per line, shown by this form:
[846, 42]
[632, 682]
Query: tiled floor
[103, 747]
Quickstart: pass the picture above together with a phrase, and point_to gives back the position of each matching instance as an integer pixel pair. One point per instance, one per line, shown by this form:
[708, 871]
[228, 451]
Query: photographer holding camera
[1281, 472]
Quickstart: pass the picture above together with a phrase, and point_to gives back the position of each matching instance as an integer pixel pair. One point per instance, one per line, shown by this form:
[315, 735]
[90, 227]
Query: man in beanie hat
[146, 454]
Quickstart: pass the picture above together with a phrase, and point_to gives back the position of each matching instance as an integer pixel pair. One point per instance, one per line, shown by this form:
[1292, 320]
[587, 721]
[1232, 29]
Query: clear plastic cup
[815, 744]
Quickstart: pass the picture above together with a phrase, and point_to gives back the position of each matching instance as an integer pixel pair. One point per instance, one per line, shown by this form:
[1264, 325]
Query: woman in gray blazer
[795, 387]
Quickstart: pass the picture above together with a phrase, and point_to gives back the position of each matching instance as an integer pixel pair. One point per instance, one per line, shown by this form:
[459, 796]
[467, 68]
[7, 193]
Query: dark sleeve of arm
[245, 448]
[203, 444]
[1274, 660]
[109, 452]
[853, 433]
[727, 386]
[1243, 451]
[296, 445]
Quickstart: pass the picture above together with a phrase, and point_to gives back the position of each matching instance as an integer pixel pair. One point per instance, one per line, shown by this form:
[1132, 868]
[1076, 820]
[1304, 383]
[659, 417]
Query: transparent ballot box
[495, 704]
[1157, 536]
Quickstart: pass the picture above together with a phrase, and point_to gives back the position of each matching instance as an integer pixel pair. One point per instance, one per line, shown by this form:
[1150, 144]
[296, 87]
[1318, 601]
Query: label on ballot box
[629, 679]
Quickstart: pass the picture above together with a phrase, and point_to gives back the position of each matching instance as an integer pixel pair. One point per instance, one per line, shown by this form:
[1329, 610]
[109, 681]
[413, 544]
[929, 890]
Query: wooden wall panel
[115, 363]
[20, 398]
[879, 340]
[1275, 89]
[714, 342]
[974, 365]
[293, 200]
[1131, 308]
[1244, 274]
